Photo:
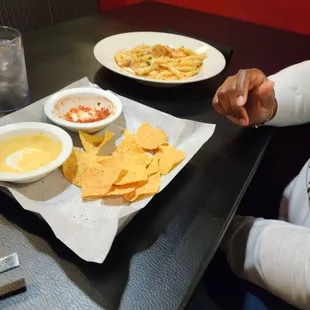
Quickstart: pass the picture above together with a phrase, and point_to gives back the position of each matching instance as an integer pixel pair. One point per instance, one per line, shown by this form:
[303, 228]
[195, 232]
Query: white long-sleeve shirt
[276, 254]
[292, 90]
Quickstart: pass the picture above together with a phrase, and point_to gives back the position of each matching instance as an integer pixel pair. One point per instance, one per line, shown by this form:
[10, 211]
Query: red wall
[114, 4]
[293, 15]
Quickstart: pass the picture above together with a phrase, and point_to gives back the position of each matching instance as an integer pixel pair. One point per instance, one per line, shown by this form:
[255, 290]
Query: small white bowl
[54, 112]
[53, 132]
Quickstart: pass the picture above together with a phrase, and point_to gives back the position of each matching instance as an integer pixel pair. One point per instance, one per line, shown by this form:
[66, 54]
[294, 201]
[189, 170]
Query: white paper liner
[89, 228]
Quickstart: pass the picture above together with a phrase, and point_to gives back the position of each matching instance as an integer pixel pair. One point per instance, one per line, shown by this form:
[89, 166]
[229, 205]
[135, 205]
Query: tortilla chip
[145, 189]
[118, 190]
[135, 173]
[169, 158]
[74, 167]
[98, 179]
[93, 144]
[154, 165]
[130, 172]
[136, 170]
[150, 138]
[126, 132]
[143, 159]
[130, 148]
[129, 144]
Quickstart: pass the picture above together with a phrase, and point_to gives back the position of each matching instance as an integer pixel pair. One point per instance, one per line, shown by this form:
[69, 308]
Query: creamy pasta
[161, 62]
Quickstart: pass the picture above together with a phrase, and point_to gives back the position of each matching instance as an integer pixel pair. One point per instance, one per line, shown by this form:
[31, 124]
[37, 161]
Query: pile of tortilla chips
[133, 171]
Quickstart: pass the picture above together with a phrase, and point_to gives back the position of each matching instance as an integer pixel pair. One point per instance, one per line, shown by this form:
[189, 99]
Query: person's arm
[292, 91]
[250, 98]
[274, 255]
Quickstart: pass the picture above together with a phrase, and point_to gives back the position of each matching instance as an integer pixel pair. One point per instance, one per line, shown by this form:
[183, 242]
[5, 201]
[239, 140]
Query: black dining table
[158, 259]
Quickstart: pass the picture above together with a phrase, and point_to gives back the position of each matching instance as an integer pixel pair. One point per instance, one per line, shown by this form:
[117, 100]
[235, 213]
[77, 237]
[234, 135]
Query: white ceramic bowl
[53, 132]
[106, 49]
[53, 113]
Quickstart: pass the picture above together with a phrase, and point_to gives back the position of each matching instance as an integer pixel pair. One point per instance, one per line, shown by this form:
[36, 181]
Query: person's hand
[246, 98]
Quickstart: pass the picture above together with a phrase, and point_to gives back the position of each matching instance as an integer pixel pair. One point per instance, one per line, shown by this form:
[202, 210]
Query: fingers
[231, 97]
[266, 95]
[234, 120]
[221, 99]
[216, 104]
[247, 80]
[239, 112]
[242, 87]
[223, 102]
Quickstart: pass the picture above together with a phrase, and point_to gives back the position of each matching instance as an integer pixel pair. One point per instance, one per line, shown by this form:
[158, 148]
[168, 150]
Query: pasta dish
[161, 62]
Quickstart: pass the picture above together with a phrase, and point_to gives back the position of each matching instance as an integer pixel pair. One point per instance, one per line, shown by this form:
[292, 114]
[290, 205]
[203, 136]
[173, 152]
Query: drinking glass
[14, 92]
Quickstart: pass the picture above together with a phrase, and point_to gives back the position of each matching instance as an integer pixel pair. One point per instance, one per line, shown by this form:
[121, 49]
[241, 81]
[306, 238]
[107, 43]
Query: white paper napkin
[89, 228]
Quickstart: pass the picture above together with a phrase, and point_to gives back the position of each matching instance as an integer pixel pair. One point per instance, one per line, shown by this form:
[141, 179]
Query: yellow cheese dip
[26, 153]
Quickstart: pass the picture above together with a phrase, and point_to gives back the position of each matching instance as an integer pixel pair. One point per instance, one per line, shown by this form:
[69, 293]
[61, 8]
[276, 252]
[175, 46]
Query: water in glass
[14, 92]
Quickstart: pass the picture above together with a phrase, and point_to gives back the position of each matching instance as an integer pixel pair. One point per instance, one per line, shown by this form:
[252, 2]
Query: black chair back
[33, 14]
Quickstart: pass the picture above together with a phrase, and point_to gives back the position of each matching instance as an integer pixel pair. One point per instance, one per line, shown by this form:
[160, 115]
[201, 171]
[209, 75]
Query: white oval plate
[106, 49]
[53, 132]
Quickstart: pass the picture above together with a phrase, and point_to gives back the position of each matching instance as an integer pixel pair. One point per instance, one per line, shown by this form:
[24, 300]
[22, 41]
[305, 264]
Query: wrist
[274, 111]
[271, 116]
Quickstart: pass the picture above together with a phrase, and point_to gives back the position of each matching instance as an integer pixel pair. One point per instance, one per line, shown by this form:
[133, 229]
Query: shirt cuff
[285, 95]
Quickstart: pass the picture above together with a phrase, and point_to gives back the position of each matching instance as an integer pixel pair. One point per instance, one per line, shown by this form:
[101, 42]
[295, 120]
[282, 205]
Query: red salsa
[84, 114]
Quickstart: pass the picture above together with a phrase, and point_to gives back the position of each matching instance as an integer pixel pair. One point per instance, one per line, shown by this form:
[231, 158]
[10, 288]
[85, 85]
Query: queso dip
[26, 153]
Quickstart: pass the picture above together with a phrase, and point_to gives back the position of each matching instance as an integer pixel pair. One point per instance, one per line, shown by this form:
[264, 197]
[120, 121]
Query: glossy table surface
[158, 259]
